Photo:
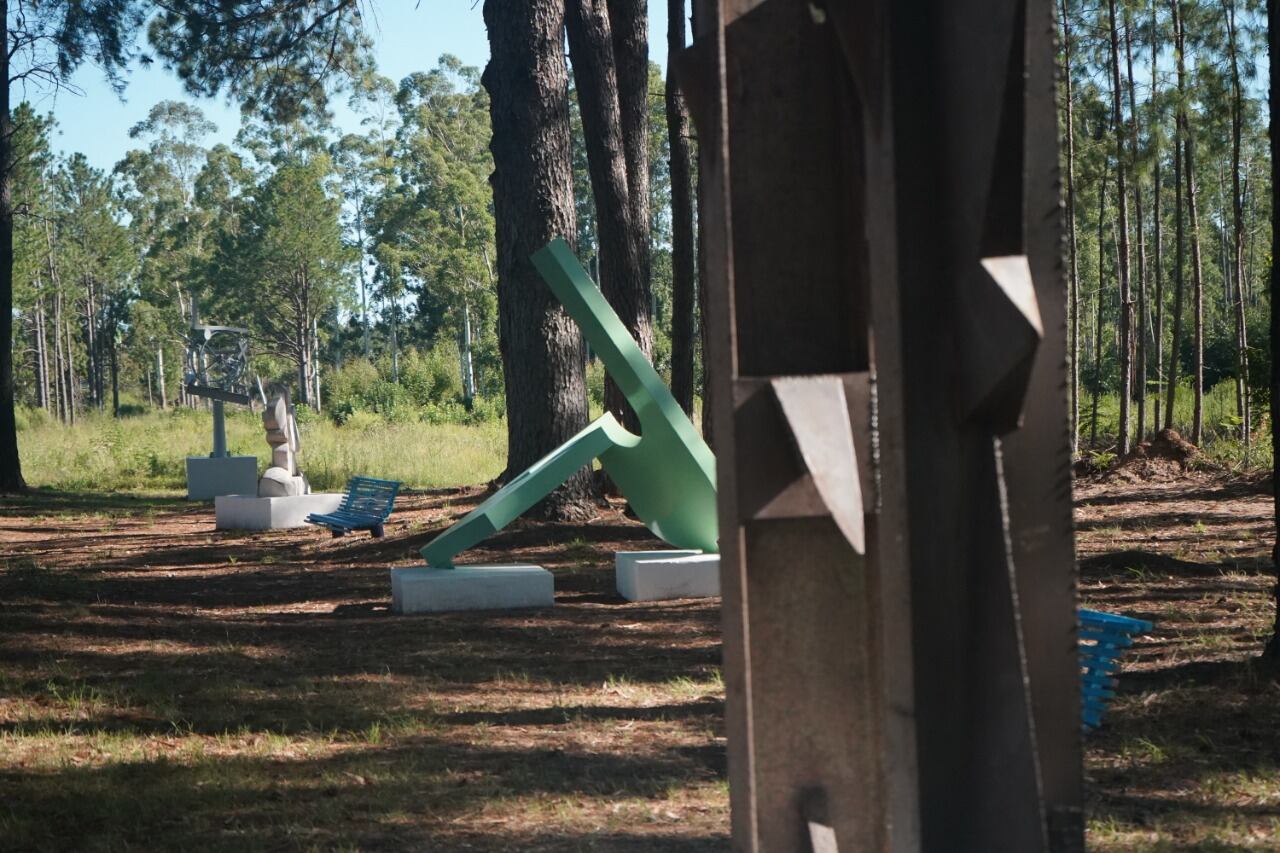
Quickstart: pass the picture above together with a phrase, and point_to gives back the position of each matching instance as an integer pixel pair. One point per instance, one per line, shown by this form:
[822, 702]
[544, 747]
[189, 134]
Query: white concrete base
[426, 590]
[248, 512]
[658, 575]
[226, 475]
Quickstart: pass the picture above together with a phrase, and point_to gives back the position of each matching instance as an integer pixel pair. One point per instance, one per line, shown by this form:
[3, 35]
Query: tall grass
[1221, 440]
[148, 452]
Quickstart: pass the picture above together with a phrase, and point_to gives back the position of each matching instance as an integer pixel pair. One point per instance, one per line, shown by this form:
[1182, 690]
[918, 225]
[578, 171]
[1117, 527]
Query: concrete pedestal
[426, 590]
[658, 575]
[208, 477]
[247, 512]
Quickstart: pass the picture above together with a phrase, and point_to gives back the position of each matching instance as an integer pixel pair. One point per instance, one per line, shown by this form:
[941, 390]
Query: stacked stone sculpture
[283, 478]
[283, 497]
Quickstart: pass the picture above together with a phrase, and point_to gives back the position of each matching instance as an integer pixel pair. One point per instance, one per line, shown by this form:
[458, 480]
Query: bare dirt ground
[167, 686]
[1188, 758]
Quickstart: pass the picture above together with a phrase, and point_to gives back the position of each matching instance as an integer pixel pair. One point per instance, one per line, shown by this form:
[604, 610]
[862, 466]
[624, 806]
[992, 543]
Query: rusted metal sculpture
[886, 307]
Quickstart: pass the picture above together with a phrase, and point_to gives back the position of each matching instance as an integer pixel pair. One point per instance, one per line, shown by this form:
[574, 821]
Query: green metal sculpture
[667, 473]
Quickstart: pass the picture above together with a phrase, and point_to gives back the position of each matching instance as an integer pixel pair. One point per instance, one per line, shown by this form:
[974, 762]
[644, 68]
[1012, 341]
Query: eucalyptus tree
[542, 351]
[99, 264]
[438, 223]
[168, 227]
[284, 264]
[269, 54]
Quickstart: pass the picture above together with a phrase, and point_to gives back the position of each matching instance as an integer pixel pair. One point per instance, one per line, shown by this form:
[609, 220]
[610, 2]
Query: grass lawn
[147, 453]
[167, 686]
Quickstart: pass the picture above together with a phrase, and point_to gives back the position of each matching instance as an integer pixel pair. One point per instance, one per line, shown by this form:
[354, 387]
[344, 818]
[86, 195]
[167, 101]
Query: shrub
[595, 383]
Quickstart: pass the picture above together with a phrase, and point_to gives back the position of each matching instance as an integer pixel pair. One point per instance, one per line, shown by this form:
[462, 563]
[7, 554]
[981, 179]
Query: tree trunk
[42, 354]
[1197, 282]
[1179, 273]
[629, 22]
[1073, 253]
[468, 365]
[302, 352]
[73, 385]
[1273, 52]
[1122, 204]
[1097, 328]
[708, 411]
[542, 351]
[683, 280]
[115, 379]
[59, 369]
[1237, 209]
[364, 290]
[1158, 248]
[1140, 334]
[395, 341]
[316, 403]
[10, 465]
[597, 73]
[164, 405]
[91, 347]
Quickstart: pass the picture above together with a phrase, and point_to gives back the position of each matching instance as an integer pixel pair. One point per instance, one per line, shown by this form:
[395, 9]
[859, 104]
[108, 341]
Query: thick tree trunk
[542, 351]
[1122, 204]
[1197, 282]
[1073, 296]
[10, 465]
[1140, 333]
[708, 411]
[683, 281]
[597, 71]
[629, 23]
[1273, 52]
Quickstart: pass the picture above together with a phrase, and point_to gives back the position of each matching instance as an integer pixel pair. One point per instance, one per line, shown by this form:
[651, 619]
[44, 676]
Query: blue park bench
[365, 506]
[1103, 639]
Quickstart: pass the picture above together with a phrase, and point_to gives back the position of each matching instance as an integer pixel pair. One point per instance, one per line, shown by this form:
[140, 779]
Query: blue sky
[408, 37]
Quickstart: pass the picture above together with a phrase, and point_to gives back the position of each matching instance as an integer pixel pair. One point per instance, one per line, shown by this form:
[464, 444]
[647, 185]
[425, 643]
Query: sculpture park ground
[166, 686]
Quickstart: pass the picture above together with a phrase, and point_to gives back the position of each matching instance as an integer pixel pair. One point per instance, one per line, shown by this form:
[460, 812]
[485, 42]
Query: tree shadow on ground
[409, 796]
[51, 502]
[1130, 564]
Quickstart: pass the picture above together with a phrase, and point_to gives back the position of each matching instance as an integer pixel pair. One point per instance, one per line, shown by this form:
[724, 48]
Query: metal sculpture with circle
[216, 362]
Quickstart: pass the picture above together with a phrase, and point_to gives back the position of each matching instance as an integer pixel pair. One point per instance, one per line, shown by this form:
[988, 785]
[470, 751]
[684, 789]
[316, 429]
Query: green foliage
[430, 390]
[1204, 98]
[595, 384]
[270, 56]
[1221, 442]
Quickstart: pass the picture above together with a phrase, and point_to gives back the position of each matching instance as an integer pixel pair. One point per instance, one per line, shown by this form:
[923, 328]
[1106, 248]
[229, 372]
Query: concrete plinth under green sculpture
[664, 575]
